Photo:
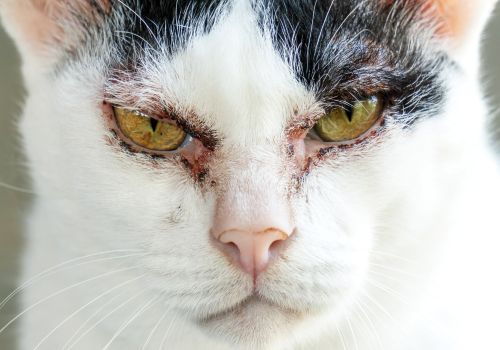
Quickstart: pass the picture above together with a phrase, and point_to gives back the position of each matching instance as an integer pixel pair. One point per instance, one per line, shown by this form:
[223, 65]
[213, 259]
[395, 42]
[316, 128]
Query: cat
[266, 174]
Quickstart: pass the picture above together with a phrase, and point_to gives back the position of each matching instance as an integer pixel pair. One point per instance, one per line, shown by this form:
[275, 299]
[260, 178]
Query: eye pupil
[348, 113]
[154, 123]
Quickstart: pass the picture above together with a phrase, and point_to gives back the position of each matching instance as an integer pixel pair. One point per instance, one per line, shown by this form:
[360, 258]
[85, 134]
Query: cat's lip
[244, 304]
[254, 317]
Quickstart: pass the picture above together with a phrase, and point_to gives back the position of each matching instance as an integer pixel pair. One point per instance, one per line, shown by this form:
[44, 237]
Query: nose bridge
[253, 212]
[253, 198]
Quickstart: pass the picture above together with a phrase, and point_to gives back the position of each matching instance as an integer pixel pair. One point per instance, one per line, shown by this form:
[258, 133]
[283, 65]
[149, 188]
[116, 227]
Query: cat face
[248, 82]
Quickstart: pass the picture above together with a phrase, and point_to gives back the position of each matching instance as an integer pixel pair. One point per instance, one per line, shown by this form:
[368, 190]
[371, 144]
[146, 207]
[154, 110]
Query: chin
[253, 324]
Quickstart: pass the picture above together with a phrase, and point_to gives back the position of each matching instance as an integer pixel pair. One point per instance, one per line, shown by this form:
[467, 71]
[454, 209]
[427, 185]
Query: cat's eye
[148, 132]
[342, 124]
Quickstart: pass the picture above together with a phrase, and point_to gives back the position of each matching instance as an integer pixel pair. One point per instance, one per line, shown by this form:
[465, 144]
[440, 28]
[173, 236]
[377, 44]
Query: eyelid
[152, 116]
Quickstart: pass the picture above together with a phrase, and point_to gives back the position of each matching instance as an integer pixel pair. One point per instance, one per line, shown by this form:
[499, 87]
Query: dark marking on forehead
[342, 50]
[130, 30]
[346, 50]
[153, 19]
[131, 27]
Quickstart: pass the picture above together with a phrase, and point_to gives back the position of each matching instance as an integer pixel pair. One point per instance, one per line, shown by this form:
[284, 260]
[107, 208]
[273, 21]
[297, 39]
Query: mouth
[252, 301]
[254, 323]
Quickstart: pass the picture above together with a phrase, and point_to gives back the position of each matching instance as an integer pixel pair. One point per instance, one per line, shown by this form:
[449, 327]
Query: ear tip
[29, 23]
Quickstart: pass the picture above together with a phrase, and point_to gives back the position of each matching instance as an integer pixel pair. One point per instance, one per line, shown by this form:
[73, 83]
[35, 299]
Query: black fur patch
[342, 49]
[152, 19]
[345, 50]
[132, 27]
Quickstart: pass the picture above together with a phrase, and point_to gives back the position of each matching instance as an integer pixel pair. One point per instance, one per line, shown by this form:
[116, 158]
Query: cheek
[335, 217]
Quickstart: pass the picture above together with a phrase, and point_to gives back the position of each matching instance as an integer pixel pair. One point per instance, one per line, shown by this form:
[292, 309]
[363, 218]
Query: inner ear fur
[458, 23]
[454, 19]
[458, 19]
[40, 26]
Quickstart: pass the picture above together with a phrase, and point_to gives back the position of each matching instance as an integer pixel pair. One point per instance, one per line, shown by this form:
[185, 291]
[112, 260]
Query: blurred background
[14, 201]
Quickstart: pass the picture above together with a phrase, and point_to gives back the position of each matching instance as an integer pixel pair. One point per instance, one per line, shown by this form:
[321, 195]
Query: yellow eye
[339, 125]
[148, 132]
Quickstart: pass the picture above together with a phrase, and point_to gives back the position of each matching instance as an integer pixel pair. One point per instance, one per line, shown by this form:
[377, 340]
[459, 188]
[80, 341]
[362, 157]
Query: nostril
[232, 245]
[230, 250]
[253, 251]
[276, 246]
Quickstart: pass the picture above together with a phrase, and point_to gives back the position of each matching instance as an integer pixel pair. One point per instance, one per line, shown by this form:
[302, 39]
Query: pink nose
[255, 249]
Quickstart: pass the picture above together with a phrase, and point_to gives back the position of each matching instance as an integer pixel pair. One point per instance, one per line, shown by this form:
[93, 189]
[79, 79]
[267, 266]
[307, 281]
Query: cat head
[273, 159]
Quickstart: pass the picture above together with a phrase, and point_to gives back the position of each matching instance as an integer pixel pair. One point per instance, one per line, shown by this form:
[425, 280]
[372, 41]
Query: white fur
[396, 248]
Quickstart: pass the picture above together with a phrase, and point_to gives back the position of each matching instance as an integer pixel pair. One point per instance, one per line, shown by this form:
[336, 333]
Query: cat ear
[41, 28]
[460, 23]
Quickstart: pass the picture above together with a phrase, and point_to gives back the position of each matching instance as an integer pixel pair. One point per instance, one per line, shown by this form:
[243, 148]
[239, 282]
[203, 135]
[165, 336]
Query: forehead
[220, 65]
[251, 66]
[234, 78]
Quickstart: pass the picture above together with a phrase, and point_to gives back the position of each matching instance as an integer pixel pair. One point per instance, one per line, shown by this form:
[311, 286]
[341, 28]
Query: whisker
[15, 188]
[392, 269]
[379, 306]
[165, 335]
[341, 337]
[393, 321]
[370, 324]
[153, 331]
[61, 266]
[349, 324]
[87, 331]
[388, 290]
[394, 256]
[130, 320]
[62, 291]
[381, 274]
[82, 326]
[83, 307]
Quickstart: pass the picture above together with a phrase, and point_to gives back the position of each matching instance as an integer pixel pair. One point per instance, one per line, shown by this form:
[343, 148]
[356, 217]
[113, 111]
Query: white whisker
[130, 320]
[370, 324]
[165, 335]
[153, 330]
[379, 306]
[82, 326]
[83, 307]
[392, 255]
[392, 320]
[349, 324]
[15, 188]
[392, 269]
[88, 330]
[61, 266]
[341, 337]
[383, 275]
[379, 285]
[62, 291]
